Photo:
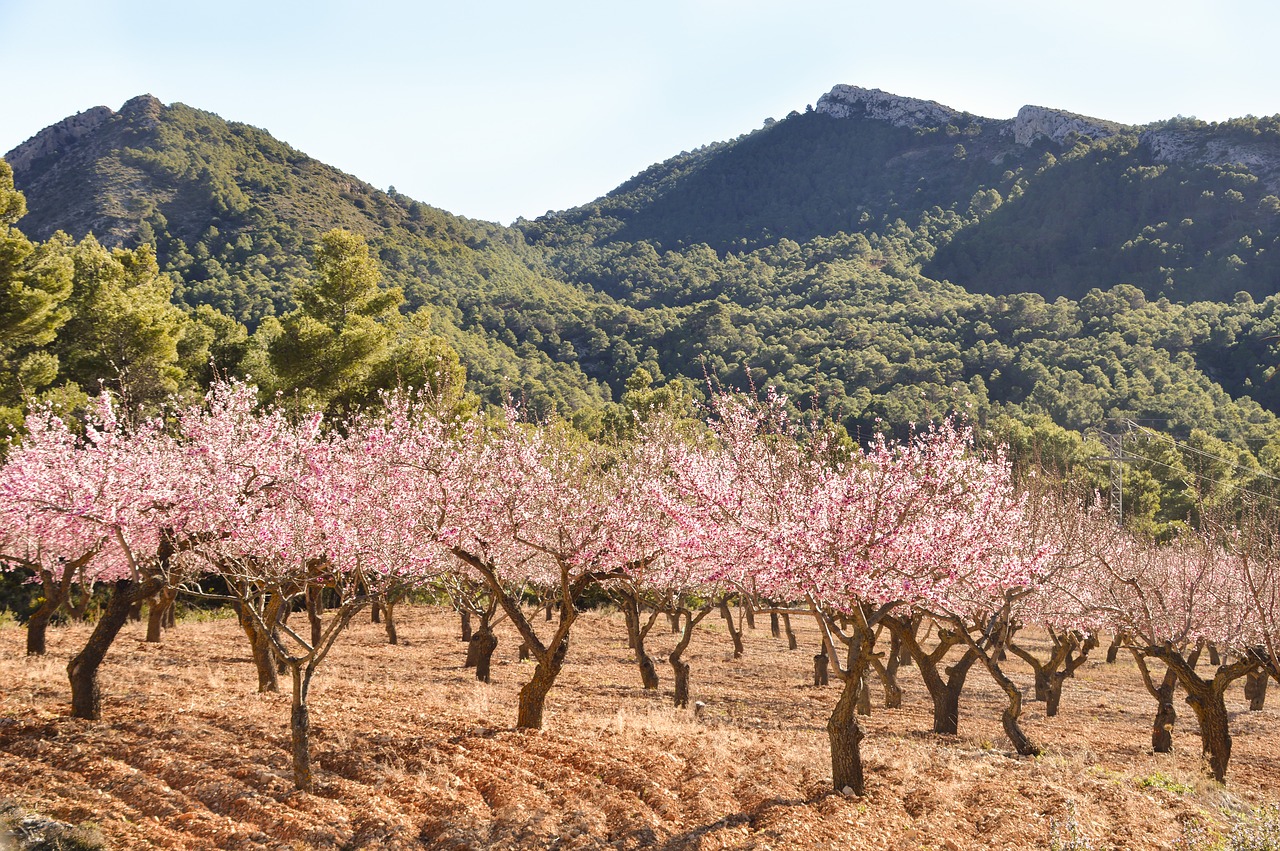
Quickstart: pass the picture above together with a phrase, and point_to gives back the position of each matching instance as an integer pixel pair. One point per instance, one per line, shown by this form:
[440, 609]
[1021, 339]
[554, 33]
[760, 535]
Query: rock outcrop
[854, 101]
[1035, 122]
[58, 137]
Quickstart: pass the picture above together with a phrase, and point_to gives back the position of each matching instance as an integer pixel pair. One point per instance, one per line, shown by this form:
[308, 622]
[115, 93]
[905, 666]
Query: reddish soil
[411, 752]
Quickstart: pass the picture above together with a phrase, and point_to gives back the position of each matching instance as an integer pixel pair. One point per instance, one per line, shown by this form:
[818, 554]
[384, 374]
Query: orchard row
[284, 513]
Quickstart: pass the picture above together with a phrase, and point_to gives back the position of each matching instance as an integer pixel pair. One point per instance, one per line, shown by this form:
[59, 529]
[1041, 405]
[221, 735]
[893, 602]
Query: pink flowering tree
[533, 509]
[286, 511]
[1170, 600]
[107, 500]
[859, 535]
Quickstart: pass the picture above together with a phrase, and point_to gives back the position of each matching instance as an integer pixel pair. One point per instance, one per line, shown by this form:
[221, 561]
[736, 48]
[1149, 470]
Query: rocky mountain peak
[854, 101]
[1034, 122]
[56, 138]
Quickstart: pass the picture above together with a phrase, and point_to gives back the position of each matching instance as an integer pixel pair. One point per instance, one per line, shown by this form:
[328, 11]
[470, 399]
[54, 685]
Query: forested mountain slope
[881, 259]
[234, 216]
[1047, 202]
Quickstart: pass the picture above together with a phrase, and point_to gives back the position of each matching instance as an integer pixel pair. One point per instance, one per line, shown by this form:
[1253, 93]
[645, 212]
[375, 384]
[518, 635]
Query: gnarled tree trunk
[86, 694]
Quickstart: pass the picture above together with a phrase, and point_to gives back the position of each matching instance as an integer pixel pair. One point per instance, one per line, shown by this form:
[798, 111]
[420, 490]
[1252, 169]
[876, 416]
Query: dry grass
[412, 752]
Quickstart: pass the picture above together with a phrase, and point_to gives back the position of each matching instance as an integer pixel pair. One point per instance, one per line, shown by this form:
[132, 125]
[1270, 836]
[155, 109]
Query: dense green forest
[877, 274]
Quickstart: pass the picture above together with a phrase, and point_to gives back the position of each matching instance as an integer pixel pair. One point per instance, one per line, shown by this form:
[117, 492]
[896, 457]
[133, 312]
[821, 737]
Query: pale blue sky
[495, 109]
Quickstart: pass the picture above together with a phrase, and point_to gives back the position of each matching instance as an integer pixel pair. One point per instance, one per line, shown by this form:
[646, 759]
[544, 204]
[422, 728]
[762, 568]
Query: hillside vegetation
[878, 270]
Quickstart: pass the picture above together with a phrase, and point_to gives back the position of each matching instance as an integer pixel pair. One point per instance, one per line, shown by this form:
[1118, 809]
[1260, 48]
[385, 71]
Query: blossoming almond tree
[108, 501]
[535, 512]
[1170, 600]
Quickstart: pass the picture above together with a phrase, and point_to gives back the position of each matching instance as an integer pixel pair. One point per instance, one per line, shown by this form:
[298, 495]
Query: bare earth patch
[412, 752]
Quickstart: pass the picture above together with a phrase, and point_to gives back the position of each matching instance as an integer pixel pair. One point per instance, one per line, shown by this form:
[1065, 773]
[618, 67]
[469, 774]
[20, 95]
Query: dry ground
[412, 752]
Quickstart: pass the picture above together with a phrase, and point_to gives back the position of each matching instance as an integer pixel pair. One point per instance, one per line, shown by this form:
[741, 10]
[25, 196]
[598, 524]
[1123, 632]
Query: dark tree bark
[57, 591]
[864, 699]
[38, 627]
[1166, 713]
[844, 731]
[629, 602]
[389, 622]
[1255, 689]
[792, 644]
[466, 625]
[484, 643]
[1009, 718]
[162, 604]
[820, 664]
[1207, 698]
[749, 609]
[1068, 651]
[774, 629]
[315, 609]
[533, 695]
[1114, 647]
[86, 694]
[375, 612]
[734, 632]
[300, 728]
[944, 686]
[680, 668]
[888, 673]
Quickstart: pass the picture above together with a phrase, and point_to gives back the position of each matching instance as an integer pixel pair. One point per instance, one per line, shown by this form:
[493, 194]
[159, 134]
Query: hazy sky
[496, 109]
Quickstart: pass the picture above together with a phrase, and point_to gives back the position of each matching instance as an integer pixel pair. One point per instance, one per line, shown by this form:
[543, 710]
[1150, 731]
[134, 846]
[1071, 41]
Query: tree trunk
[1053, 696]
[533, 696]
[1114, 647]
[389, 621]
[38, 627]
[300, 728]
[820, 675]
[315, 606]
[1042, 686]
[524, 652]
[161, 605]
[466, 626]
[681, 672]
[680, 668]
[550, 605]
[483, 644]
[748, 609]
[734, 632]
[1215, 737]
[1013, 711]
[792, 644]
[674, 619]
[86, 696]
[864, 699]
[375, 613]
[843, 729]
[774, 628]
[480, 639]
[889, 679]
[263, 661]
[635, 641]
[1255, 689]
[1214, 659]
[1166, 716]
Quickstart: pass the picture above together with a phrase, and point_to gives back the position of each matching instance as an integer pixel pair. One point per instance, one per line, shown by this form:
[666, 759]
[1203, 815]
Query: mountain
[881, 260]
[1048, 202]
[234, 215]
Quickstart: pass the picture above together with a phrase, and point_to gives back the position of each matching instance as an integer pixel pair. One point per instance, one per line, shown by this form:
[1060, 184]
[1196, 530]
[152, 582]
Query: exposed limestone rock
[1034, 122]
[58, 137]
[1203, 146]
[853, 101]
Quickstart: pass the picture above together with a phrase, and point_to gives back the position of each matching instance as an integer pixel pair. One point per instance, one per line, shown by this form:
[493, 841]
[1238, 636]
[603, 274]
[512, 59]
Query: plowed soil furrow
[411, 752]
